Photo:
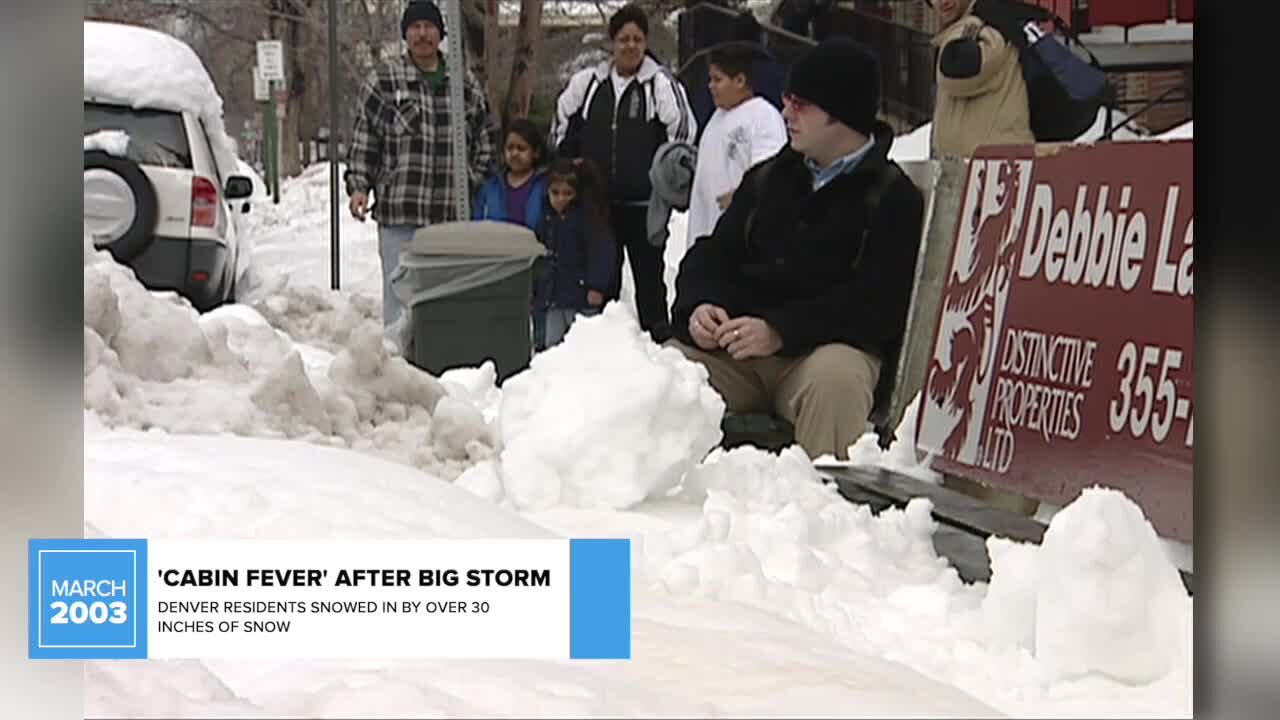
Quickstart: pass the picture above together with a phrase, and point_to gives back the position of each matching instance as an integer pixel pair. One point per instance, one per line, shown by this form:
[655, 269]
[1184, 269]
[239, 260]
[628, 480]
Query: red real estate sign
[1063, 356]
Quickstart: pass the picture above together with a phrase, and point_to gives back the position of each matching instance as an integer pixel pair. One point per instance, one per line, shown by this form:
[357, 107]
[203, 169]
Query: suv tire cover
[142, 232]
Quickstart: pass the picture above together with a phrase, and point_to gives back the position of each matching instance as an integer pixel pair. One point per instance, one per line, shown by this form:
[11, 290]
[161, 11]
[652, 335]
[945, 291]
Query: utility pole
[334, 201]
[457, 64]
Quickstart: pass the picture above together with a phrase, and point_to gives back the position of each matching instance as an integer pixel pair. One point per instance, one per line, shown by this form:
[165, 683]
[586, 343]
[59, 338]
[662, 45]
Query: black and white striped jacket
[654, 109]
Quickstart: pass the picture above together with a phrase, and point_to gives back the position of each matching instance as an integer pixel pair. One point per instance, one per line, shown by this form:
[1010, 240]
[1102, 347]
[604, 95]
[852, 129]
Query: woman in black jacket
[618, 114]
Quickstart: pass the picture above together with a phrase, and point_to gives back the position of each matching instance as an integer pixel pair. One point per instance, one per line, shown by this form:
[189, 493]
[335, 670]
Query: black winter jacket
[797, 270]
[654, 109]
[583, 256]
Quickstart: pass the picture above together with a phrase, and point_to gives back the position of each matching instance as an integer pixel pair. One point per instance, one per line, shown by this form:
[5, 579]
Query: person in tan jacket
[981, 100]
[981, 97]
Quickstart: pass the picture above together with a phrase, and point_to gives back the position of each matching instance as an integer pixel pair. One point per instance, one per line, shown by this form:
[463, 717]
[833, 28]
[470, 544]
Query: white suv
[163, 206]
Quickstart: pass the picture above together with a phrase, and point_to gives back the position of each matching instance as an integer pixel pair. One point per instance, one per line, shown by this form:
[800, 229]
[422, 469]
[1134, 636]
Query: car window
[213, 159]
[156, 137]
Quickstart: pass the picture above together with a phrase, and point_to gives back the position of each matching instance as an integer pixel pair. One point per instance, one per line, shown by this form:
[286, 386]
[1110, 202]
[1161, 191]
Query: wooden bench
[767, 432]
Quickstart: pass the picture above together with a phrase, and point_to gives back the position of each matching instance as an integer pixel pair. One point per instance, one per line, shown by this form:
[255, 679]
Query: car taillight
[204, 202]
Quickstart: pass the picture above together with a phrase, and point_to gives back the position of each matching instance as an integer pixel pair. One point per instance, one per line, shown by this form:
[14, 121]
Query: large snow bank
[253, 487]
[151, 361]
[141, 67]
[1056, 633]
[693, 656]
[604, 419]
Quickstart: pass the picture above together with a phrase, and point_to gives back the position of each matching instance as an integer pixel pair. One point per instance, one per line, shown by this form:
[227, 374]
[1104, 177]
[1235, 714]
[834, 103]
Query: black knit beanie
[843, 78]
[421, 10]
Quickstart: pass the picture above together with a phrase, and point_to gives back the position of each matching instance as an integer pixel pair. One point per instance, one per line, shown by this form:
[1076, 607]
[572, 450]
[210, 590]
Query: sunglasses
[800, 104]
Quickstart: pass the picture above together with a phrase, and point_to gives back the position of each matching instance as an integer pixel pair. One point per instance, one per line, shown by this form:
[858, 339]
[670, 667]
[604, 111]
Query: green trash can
[467, 287]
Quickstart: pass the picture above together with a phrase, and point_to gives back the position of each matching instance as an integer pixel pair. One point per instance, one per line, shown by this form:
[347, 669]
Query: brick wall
[1142, 87]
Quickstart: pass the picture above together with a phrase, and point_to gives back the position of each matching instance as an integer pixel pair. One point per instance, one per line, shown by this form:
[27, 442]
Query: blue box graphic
[599, 599]
[88, 599]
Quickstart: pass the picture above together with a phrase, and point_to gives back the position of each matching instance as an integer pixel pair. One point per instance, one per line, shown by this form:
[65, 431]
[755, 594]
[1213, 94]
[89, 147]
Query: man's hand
[359, 205]
[705, 322]
[724, 200]
[595, 298]
[748, 337]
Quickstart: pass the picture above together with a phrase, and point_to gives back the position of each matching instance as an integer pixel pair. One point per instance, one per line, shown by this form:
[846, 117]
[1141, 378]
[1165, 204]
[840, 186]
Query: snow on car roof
[140, 67]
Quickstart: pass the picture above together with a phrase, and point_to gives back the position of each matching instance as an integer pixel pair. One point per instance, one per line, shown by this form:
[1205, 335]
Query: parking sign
[271, 59]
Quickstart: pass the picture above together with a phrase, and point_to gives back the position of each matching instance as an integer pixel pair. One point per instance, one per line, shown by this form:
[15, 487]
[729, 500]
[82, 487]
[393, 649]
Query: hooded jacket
[804, 266]
[621, 135]
[982, 96]
[491, 202]
[580, 257]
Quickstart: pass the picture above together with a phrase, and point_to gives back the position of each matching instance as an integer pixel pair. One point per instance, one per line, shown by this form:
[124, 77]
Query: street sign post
[273, 150]
[271, 59]
[334, 89]
[271, 69]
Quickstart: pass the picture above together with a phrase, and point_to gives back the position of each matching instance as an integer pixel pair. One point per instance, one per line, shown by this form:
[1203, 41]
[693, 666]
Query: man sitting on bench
[797, 297]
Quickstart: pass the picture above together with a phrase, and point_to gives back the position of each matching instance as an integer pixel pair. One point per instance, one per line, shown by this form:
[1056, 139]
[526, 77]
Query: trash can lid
[488, 238]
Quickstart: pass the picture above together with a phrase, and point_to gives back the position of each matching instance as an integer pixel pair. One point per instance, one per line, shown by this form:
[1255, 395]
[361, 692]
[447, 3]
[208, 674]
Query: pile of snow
[1107, 597]
[292, 244]
[915, 145]
[111, 142]
[708, 658]
[146, 68]
[1183, 131]
[771, 536]
[152, 362]
[604, 403]
[901, 456]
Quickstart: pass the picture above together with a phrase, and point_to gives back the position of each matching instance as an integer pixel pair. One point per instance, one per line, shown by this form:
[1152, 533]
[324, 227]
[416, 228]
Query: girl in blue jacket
[517, 192]
[579, 272]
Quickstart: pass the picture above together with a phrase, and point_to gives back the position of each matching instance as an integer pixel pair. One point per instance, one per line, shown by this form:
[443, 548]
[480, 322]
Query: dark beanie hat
[421, 10]
[843, 78]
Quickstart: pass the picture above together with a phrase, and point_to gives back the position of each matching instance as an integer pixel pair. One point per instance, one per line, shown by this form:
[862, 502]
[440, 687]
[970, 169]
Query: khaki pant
[826, 395]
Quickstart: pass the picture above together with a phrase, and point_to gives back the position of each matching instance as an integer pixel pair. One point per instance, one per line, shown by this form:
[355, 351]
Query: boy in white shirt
[744, 130]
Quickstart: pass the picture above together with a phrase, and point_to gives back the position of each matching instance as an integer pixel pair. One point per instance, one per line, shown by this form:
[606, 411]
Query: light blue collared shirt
[841, 166]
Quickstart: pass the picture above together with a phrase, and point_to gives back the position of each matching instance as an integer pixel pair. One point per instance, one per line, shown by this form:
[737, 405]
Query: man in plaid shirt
[400, 146]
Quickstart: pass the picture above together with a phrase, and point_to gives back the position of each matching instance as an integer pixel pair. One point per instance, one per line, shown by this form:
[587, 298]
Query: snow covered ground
[914, 145]
[758, 590]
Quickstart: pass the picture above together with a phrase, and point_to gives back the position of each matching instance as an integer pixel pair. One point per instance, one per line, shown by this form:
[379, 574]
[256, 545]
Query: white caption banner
[359, 599]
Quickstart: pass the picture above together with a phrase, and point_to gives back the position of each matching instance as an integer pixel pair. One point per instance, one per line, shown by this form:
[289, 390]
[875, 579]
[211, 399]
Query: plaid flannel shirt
[400, 146]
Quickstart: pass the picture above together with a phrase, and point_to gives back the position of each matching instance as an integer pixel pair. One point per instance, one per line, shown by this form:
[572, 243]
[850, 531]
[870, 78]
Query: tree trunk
[491, 43]
[298, 76]
[528, 38]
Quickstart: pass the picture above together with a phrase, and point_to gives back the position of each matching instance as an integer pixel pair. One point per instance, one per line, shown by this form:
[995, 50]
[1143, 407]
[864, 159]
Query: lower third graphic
[88, 599]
